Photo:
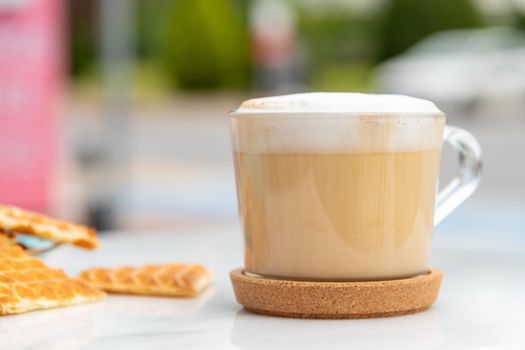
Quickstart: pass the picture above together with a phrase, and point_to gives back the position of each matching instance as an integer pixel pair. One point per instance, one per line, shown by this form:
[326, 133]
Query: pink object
[30, 73]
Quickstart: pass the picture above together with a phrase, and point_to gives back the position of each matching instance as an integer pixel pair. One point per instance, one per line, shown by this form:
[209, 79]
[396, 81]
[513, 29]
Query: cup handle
[467, 176]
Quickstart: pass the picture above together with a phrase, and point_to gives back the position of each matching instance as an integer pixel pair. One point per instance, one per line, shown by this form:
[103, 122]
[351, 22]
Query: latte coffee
[337, 186]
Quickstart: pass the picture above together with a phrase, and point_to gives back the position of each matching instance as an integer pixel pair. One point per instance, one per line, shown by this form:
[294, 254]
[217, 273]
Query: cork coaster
[336, 300]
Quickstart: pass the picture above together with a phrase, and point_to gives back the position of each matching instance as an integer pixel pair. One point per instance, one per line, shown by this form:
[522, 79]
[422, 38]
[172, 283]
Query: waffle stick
[178, 280]
[16, 220]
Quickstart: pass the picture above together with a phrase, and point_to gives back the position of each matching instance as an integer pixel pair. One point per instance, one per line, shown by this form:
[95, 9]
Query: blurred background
[114, 113]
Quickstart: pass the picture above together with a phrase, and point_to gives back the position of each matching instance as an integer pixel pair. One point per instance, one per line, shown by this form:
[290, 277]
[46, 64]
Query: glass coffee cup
[342, 186]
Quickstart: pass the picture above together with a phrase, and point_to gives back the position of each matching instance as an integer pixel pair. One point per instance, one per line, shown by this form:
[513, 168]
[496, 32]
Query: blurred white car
[469, 72]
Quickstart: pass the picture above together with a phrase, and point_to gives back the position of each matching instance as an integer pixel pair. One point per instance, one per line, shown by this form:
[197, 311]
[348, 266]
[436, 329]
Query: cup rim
[336, 114]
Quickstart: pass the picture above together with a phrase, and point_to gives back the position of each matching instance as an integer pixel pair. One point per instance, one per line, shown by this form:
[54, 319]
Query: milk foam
[336, 123]
[319, 102]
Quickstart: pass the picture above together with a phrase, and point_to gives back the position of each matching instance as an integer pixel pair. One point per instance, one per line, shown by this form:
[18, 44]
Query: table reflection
[418, 331]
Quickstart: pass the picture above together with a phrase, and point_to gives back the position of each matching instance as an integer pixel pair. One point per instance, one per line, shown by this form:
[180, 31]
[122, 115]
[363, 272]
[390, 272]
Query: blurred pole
[116, 51]
[276, 55]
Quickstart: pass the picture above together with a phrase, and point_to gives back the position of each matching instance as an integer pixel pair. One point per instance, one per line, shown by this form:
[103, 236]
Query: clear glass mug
[345, 196]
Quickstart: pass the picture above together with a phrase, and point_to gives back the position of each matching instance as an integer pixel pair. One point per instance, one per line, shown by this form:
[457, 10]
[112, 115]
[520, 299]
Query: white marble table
[481, 306]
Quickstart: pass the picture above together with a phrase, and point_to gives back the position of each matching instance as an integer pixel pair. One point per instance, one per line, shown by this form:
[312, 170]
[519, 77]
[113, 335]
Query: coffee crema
[337, 186]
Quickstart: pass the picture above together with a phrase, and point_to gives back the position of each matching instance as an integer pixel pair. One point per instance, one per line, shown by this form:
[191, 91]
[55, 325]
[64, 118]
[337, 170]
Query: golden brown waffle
[14, 219]
[26, 284]
[6, 240]
[182, 280]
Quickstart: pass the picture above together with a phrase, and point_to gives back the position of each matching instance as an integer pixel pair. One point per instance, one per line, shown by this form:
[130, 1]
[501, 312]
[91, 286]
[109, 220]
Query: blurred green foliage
[405, 22]
[205, 44]
[353, 76]
[520, 19]
[82, 36]
[195, 44]
[339, 46]
[336, 33]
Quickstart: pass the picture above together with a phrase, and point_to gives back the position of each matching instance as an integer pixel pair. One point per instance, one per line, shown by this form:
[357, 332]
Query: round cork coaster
[336, 300]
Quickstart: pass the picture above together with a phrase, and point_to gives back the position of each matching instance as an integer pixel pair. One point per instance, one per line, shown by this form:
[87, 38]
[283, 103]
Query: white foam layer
[337, 135]
[336, 123]
[319, 102]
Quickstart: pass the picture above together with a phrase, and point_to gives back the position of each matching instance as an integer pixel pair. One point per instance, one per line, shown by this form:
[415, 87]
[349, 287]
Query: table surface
[481, 304]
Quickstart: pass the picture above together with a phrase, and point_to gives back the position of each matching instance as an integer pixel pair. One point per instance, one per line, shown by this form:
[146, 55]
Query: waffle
[14, 219]
[26, 284]
[179, 280]
[6, 240]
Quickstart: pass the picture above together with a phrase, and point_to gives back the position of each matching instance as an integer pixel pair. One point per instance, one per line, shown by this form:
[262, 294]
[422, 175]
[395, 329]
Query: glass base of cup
[372, 279]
